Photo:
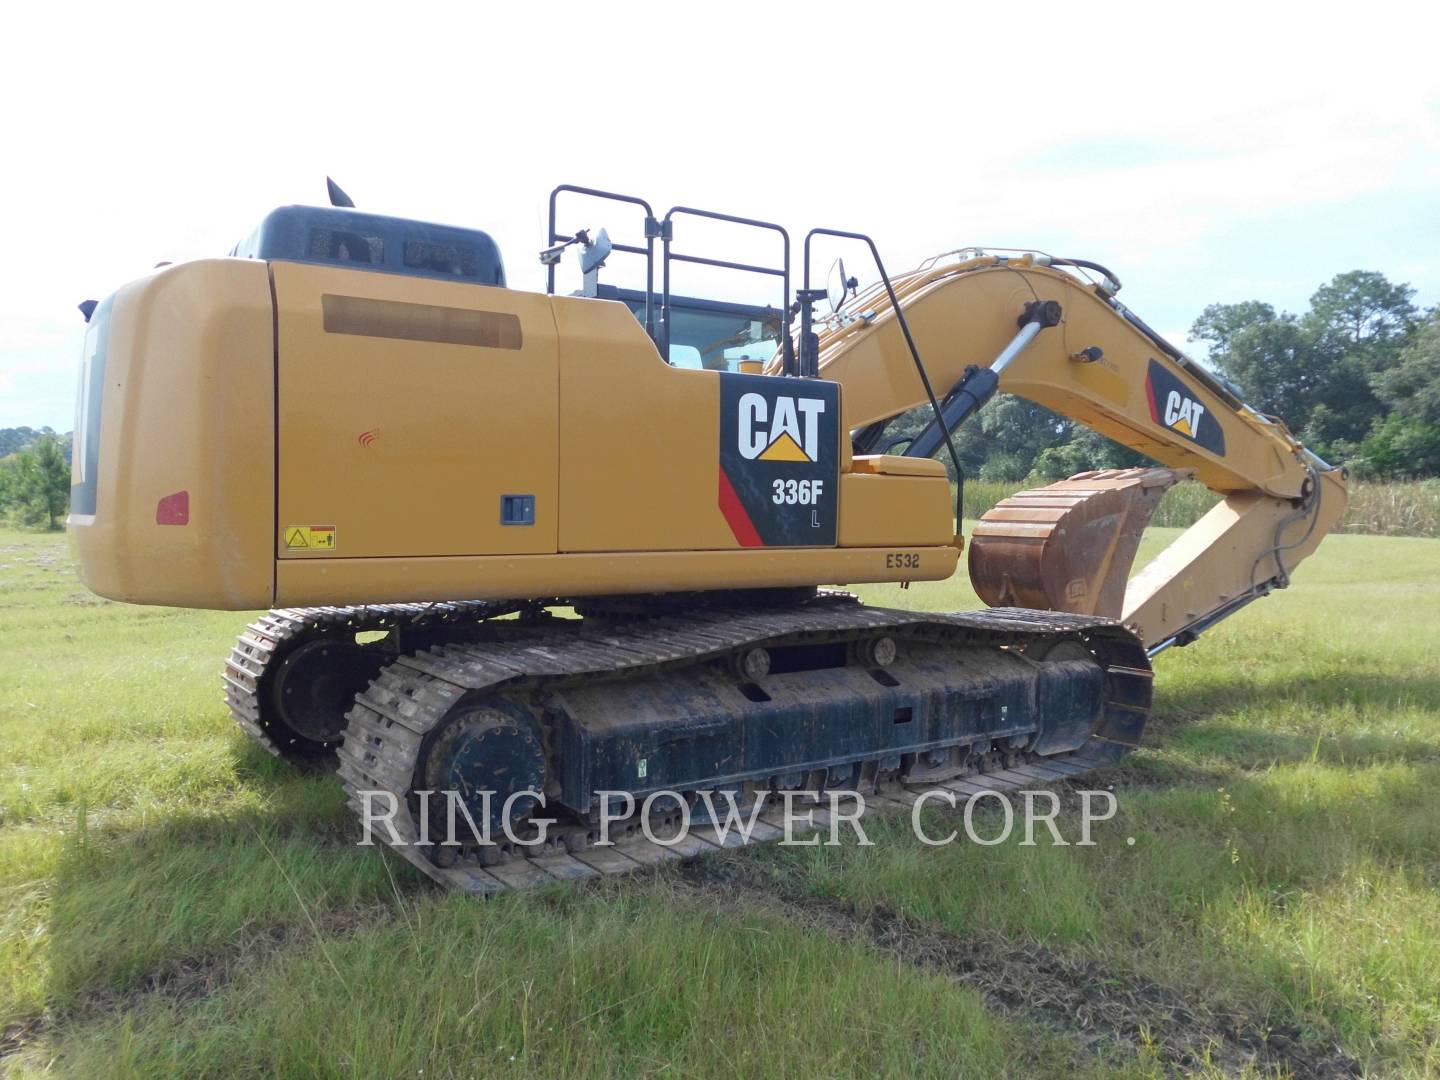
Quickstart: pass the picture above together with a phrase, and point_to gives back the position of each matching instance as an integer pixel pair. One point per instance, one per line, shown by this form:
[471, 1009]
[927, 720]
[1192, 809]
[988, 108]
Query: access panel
[414, 417]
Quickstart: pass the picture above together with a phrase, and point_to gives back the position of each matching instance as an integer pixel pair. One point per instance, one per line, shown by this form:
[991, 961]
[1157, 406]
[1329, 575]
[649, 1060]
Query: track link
[263, 648]
[412, 695]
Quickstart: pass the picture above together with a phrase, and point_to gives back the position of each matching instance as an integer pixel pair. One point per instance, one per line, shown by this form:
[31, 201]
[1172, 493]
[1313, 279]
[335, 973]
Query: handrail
[652, 230]
[667, 254]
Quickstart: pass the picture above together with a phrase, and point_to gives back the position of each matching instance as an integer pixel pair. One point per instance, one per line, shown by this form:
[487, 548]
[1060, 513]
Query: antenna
[337, 194]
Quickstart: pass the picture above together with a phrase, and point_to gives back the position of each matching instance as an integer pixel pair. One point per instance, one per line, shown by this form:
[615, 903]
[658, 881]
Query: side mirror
[837, 285]
[596, 252]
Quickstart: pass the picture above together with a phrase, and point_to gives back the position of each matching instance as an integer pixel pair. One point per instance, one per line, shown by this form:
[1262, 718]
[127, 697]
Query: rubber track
[265, 642]
[414, 693]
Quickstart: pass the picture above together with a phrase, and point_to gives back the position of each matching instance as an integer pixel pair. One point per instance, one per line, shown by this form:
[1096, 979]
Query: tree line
[34, 476]
[1356, 376]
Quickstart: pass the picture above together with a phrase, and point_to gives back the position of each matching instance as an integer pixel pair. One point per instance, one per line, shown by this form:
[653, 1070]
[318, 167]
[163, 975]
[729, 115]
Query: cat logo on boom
[788, 432]
[1175, 406]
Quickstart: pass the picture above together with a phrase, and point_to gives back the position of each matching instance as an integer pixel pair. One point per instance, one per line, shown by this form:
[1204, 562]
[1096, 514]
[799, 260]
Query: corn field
[1395, 509]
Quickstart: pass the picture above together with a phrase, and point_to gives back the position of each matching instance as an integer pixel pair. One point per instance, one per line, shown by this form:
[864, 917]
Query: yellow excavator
[576, 550]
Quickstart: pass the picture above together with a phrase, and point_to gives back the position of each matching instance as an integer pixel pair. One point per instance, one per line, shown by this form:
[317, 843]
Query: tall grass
[1408, 508]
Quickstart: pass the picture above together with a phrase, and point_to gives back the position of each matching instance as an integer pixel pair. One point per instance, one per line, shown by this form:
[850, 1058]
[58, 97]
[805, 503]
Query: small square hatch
[517, 509]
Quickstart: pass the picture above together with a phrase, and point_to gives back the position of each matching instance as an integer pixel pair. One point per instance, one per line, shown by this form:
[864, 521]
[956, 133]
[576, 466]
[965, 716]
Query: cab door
[415, 417]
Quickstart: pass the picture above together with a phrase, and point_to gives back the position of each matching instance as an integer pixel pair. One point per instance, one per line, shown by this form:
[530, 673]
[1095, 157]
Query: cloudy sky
[1206, 152]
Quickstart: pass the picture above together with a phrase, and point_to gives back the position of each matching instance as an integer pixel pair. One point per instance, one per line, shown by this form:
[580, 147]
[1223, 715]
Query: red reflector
[173, 509]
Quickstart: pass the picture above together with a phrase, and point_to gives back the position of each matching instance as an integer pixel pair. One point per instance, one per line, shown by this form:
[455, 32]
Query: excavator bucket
[1067, 546]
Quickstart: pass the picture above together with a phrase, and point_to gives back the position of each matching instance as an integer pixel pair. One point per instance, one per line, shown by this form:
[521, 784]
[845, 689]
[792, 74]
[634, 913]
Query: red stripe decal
[1150, 397]
[735, 515]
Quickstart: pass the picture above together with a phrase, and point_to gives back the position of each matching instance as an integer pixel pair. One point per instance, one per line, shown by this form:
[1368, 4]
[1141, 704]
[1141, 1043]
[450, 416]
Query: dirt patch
[194, 978]
[20, 1034]
[1077, 996]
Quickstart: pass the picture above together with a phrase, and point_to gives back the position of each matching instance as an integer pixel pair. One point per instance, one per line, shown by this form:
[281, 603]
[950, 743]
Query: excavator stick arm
[1247, 545]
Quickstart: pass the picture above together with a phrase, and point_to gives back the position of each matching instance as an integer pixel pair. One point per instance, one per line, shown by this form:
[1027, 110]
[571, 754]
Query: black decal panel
[779, 460]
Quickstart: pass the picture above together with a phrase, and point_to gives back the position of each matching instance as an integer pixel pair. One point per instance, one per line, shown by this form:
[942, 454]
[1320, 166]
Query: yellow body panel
[879, 510]
[405, 445]
[638, 439]
[188, 406]
[375, 581]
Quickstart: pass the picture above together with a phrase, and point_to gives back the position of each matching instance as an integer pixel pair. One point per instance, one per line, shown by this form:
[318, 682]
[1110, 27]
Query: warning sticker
[310, 536]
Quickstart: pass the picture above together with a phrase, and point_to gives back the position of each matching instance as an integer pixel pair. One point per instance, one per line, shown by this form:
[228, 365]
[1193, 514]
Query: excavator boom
[1069, 546]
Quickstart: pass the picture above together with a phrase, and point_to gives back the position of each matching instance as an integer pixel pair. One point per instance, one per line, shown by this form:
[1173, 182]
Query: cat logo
[789, 432]
[1183, 413]
[1175, 406]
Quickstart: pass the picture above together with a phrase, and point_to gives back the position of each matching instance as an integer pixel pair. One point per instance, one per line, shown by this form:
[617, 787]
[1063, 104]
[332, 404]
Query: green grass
[174, 903]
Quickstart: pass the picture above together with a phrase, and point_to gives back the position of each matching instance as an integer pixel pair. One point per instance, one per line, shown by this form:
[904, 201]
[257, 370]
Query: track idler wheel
[314, 686]
[295, 705]
[490, 759]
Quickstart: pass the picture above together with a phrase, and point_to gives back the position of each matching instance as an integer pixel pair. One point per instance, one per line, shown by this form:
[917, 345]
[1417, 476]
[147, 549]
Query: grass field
[174, 903]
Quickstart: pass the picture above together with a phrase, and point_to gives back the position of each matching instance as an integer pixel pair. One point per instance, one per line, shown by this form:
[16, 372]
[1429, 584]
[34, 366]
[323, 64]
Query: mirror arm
[809, 340]
[550, 256]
